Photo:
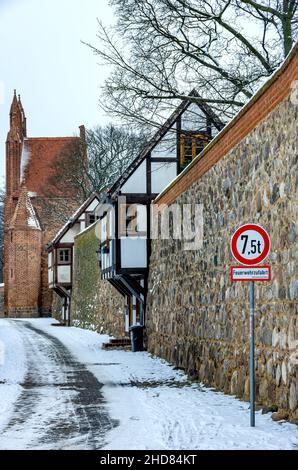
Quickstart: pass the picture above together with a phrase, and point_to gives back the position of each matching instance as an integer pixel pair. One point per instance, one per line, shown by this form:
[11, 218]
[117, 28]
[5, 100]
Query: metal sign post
[250, 245]
[252, 352]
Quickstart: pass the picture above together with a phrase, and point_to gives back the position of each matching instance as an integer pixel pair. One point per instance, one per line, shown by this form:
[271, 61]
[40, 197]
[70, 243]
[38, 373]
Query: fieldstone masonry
[196, 317]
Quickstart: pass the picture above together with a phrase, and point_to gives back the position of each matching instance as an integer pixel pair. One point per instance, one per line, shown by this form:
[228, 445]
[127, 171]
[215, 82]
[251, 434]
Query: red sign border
[251, 279]
[235, 237]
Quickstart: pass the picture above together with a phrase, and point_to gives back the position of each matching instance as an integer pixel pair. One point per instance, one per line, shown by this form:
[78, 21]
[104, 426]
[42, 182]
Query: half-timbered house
[125, 216]
[61, 253]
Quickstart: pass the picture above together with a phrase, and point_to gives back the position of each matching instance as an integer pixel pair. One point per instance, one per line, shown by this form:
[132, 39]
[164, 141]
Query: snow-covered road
[60, 405]
[60, 390]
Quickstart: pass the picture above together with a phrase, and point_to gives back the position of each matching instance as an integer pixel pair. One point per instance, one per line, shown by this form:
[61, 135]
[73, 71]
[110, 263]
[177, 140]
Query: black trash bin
[136, 333]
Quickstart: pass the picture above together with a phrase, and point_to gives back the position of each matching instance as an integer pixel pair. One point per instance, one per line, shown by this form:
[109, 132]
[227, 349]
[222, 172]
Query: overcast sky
[42, 57]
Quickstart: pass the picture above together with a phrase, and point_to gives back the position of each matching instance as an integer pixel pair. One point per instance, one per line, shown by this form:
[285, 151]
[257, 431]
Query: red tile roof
[43, 153]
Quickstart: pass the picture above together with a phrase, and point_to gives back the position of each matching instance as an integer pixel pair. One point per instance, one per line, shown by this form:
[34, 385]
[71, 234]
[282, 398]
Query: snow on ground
[12, 369]
[156, 406]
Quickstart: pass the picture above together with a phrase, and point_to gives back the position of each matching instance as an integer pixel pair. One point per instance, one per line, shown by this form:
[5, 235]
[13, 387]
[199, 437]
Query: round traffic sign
[250, 244]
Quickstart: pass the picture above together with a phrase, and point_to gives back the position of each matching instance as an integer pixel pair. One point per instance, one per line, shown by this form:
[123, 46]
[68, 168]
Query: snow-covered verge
[159, 409]
[12, 369]
[156, 406]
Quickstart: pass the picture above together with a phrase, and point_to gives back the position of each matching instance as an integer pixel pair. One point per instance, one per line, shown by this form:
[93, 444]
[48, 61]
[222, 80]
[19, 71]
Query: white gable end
[136, 183]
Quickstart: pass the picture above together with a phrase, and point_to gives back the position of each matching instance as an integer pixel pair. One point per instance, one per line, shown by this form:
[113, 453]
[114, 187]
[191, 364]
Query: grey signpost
[250, 245]
[252, 352]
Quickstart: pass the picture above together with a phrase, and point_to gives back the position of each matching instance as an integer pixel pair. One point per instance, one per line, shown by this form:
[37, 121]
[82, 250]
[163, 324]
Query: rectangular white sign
[250, 273]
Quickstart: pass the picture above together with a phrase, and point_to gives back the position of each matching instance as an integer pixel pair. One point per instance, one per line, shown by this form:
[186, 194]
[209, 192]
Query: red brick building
[34, 211]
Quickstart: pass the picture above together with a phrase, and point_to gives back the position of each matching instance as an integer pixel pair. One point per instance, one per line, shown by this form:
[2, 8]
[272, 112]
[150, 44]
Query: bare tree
[85, 166]
[109, 152]
[161, 49]
[97, 163]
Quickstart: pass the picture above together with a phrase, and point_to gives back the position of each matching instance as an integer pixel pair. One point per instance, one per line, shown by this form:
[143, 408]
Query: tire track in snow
[61, 405]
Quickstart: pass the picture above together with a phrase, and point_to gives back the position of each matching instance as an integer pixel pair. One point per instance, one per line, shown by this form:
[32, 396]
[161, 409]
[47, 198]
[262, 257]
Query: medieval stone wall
[196, 317]
[95, 303]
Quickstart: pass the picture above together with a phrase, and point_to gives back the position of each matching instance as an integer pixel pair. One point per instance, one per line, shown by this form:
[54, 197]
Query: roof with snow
[25, 215]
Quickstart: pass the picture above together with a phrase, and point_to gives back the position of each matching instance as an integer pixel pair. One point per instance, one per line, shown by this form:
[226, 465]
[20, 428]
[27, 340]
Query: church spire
[14, 144]
[16, 116]
[24, 119]
[14, 108]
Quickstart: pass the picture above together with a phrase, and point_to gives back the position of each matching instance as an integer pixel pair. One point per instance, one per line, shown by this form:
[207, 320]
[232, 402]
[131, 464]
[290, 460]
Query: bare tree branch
[159, 50]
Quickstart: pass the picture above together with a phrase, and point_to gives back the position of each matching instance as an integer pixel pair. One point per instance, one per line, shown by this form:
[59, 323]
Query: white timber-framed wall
[125, 253]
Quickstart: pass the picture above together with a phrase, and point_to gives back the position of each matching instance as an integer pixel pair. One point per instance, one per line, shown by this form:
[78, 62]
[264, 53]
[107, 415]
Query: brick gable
[43, 154]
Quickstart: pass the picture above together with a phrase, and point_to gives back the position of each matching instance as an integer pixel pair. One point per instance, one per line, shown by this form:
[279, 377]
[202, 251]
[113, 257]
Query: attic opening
[191, 144]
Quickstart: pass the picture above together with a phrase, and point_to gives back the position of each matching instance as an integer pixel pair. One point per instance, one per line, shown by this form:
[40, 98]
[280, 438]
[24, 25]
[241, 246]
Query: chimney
[82, 132]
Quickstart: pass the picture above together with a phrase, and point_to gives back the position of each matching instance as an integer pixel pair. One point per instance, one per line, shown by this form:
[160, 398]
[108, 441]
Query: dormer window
[191, 144]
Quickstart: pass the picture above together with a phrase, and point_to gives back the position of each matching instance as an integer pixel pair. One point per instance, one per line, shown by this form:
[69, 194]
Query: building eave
[73, 219]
